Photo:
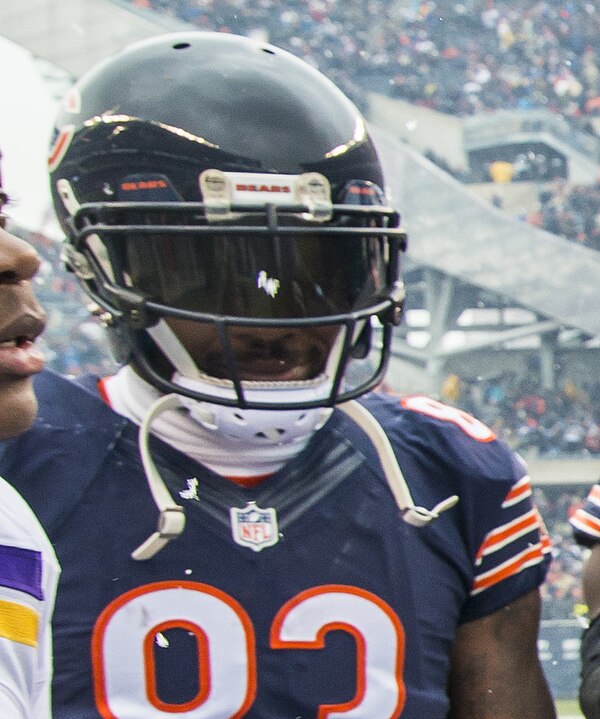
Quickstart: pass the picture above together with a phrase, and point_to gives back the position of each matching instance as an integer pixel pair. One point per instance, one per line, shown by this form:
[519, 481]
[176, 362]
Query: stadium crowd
[459, 58]
[570, 211]
[561, 593]
[454, 57]
[564, 421]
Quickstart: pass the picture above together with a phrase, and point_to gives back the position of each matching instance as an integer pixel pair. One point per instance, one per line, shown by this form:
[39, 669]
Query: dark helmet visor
[249, 275]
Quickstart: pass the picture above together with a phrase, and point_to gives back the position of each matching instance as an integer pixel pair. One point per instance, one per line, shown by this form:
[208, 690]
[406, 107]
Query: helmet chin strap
[171, 521]
[171, 347]
[171, 518]
[411, 513]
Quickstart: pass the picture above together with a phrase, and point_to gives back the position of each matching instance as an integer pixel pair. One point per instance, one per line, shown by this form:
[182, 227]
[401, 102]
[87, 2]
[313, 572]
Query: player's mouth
[278, 370]
[255, 366]
[20, 357]
[19, 354]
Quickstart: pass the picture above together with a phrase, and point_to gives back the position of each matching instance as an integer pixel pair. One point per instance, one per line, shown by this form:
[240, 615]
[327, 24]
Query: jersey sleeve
[28, 579]
[501, 544]
[513, 557]
[585, 521]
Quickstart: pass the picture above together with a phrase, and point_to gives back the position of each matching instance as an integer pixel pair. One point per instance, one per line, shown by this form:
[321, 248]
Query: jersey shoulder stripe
[585, 521]
[517, 563]
[594, 495]
[18, 623]
[21, 569]
[506, 533]
[521, 490]
[510, 532]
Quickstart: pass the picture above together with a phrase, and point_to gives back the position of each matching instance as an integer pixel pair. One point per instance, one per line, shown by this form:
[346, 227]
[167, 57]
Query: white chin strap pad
[259, 427]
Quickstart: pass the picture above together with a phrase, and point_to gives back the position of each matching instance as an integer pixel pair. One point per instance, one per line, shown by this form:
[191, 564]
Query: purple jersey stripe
[21, 569]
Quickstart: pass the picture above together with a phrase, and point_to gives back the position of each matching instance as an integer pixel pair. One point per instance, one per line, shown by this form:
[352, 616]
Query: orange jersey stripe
[518, 492]
[586, 522]
[528, 558]
[509, 532]
[249, 482]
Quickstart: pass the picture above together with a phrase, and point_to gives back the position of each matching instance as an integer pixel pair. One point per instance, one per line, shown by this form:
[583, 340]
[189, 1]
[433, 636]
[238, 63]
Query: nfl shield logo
[254, 527]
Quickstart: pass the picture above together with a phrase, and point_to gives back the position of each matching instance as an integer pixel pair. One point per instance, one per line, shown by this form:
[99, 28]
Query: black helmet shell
[179, 103]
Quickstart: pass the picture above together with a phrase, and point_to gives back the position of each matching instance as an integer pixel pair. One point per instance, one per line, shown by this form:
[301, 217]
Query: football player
[28, 565]
[246, 528]
[585, 522]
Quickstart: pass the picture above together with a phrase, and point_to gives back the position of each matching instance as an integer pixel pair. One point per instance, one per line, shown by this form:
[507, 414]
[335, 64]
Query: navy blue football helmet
[212, 179]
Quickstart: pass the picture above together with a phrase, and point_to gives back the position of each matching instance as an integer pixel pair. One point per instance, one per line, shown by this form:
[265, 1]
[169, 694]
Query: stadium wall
[420, 127]
[558, 648]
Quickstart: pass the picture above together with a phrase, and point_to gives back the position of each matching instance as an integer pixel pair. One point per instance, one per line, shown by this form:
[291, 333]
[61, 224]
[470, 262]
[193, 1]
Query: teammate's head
[21, 321]
[223, 204]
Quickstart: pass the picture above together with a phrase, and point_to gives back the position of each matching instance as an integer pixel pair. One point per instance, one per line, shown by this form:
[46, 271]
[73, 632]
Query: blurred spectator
[547, 423]
[570, 211]
[452, 389]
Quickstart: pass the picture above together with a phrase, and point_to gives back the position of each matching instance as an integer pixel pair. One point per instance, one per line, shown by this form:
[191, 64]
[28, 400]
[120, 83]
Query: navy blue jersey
[585, 521]
[304, 596]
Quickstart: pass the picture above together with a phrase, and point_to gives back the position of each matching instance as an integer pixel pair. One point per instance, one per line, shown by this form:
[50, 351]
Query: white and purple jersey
[28, 579]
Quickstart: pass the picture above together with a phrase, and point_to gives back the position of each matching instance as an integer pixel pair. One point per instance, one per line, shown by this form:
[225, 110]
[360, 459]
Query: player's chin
[18, 406]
